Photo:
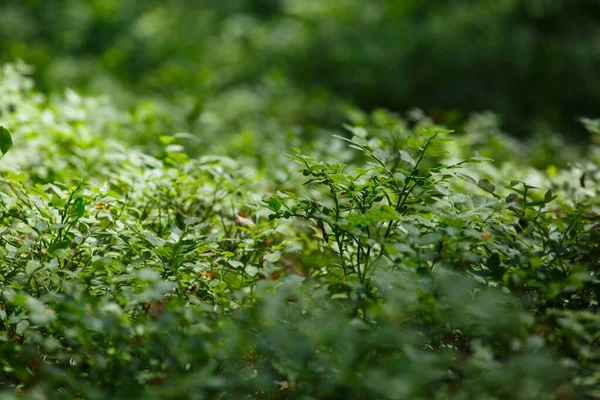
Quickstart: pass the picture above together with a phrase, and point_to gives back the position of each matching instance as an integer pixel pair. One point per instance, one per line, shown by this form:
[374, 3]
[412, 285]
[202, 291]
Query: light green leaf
[148, 275]
[32, 266]
[479, 157]
[273, 257]
[251, 270]
[407, 158]
[235, 264]
[380, 154]
[154, 240]
[383, 214]
[412, 143]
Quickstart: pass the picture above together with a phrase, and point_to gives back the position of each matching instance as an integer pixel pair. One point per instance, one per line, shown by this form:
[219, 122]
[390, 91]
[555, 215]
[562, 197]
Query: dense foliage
[396, 261]
[534, 62]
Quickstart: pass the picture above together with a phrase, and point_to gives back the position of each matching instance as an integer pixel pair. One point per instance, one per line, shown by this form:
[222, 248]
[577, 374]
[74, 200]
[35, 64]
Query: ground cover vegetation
[211, 200]
[392, 260]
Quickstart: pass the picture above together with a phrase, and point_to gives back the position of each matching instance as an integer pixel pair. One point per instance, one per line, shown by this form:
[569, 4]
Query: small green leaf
[357, 220]
[57, 202]
[384, 214]
[154, 240]
[79, 207]
[514, 183]
[58, 246]
[380, 154]
[190, 221]
[32, 266]
[478, 157]
[486, 185]
[167, 139]
[22, 326]
[412, 143]
[251, 270]
[5, 140]
[321, 226]
[275, 203]
[548, 196]
[235, 264]
[357, 130]
[407, 158]
[273, 257]
[493, 264]
[360, 141]
[427, 132]
[468, 178]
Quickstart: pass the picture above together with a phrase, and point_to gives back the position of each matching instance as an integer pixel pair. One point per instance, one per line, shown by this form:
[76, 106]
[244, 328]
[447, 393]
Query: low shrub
[390, 270]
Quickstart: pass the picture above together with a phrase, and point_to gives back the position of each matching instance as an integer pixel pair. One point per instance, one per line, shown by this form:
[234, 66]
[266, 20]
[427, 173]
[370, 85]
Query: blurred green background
[535, 63]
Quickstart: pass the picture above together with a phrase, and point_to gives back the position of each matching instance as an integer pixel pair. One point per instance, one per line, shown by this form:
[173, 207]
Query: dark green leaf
[548, 197]
[496, 270]
[58, 246]
[5, 140]
[486, 185]
[78, 207]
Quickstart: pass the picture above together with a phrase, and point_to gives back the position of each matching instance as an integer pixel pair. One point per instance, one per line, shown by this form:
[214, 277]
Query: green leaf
[380, 154]
[357, 130]
[251, 270]
[428, 132]
[407, 158]
[321, 226]
[57, 202]
[275, 203]
[486, 185]
[59, 246]
[360, 141]
[273, 257]
[514, 183]
[153, 239]
[548, 197]
[511, 198]
[468, 178]
[32, 266]
[167, 139]
[79, 207]
[384, 214]
[412, 143]
[5, 140]
[493, 264]
[357, 220]
[235, 264]
[478, 157]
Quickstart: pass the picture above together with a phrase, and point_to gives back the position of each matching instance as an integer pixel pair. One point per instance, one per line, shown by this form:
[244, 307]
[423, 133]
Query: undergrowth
[389, 269]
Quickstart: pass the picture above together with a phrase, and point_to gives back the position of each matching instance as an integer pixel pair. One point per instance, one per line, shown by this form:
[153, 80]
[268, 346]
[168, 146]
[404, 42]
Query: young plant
[360, 213]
